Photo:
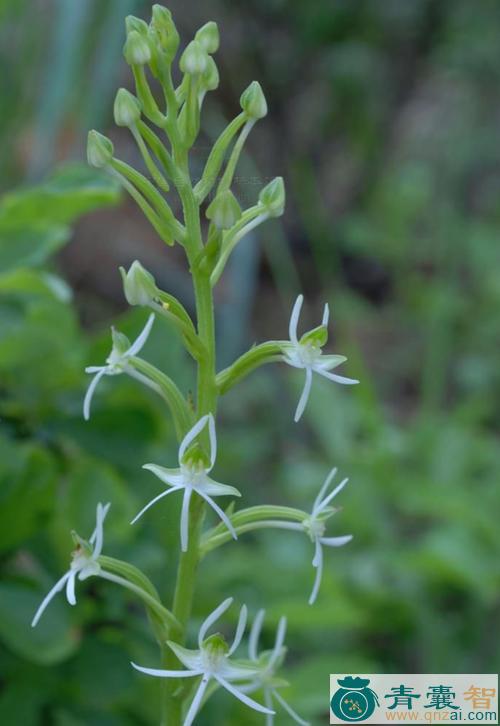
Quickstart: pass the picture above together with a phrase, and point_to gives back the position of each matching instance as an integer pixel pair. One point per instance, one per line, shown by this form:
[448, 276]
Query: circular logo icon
[353, 701]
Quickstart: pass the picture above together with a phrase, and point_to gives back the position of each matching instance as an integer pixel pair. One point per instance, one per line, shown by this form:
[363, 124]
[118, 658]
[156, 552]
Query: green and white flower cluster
[164, 132]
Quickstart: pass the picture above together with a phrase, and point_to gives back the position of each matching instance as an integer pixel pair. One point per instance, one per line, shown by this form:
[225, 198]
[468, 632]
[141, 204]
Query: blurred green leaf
[70, 192]
[52, 641]
[29, 244]
[27, 483]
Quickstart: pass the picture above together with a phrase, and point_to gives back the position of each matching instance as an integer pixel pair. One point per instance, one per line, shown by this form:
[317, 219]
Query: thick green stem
[207, 393]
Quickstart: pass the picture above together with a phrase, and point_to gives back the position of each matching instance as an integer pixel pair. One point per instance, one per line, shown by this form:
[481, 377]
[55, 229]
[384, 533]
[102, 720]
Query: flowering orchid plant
[208, 244]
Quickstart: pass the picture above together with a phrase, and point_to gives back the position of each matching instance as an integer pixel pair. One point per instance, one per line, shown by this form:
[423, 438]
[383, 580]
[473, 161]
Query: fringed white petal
[334, 377]
[212, 618]
[326, 315]
[185, 518]
[323, 490]
[160, 673]
[97, 536]
[50, 595]
[253, 640]
[278, 643]
[305, 396]
[240, 629]
[70, 588]
[153, 501]
[191, 436]
[326, 501]
[196, 702]
[213, 440]
[140, 341]
[294, 319]
[318, 565]
[91, 390]
[289, 709]
[241, 696]
[336, 541]
[218, 511]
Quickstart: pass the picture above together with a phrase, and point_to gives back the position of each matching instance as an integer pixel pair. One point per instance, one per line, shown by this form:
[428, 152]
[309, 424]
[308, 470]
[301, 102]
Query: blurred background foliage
[384, 121]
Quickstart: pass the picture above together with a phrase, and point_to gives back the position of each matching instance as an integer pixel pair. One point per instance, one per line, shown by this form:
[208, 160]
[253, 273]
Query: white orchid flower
[315, 526]
[212, 661]
[118, 362]
[84, 563]
[268, 663]
[306, 353]
[192, 476]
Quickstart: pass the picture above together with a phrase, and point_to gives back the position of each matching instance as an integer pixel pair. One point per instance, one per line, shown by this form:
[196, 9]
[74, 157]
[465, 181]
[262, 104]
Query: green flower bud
[164, 32]
[210, 78]
[208, 37]
[100, 149]
[272, 197]
[194, 60]
[224, 211]
[139, 285]
[132, 23]
[136, 49]
[127, 109]
[253, 102]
